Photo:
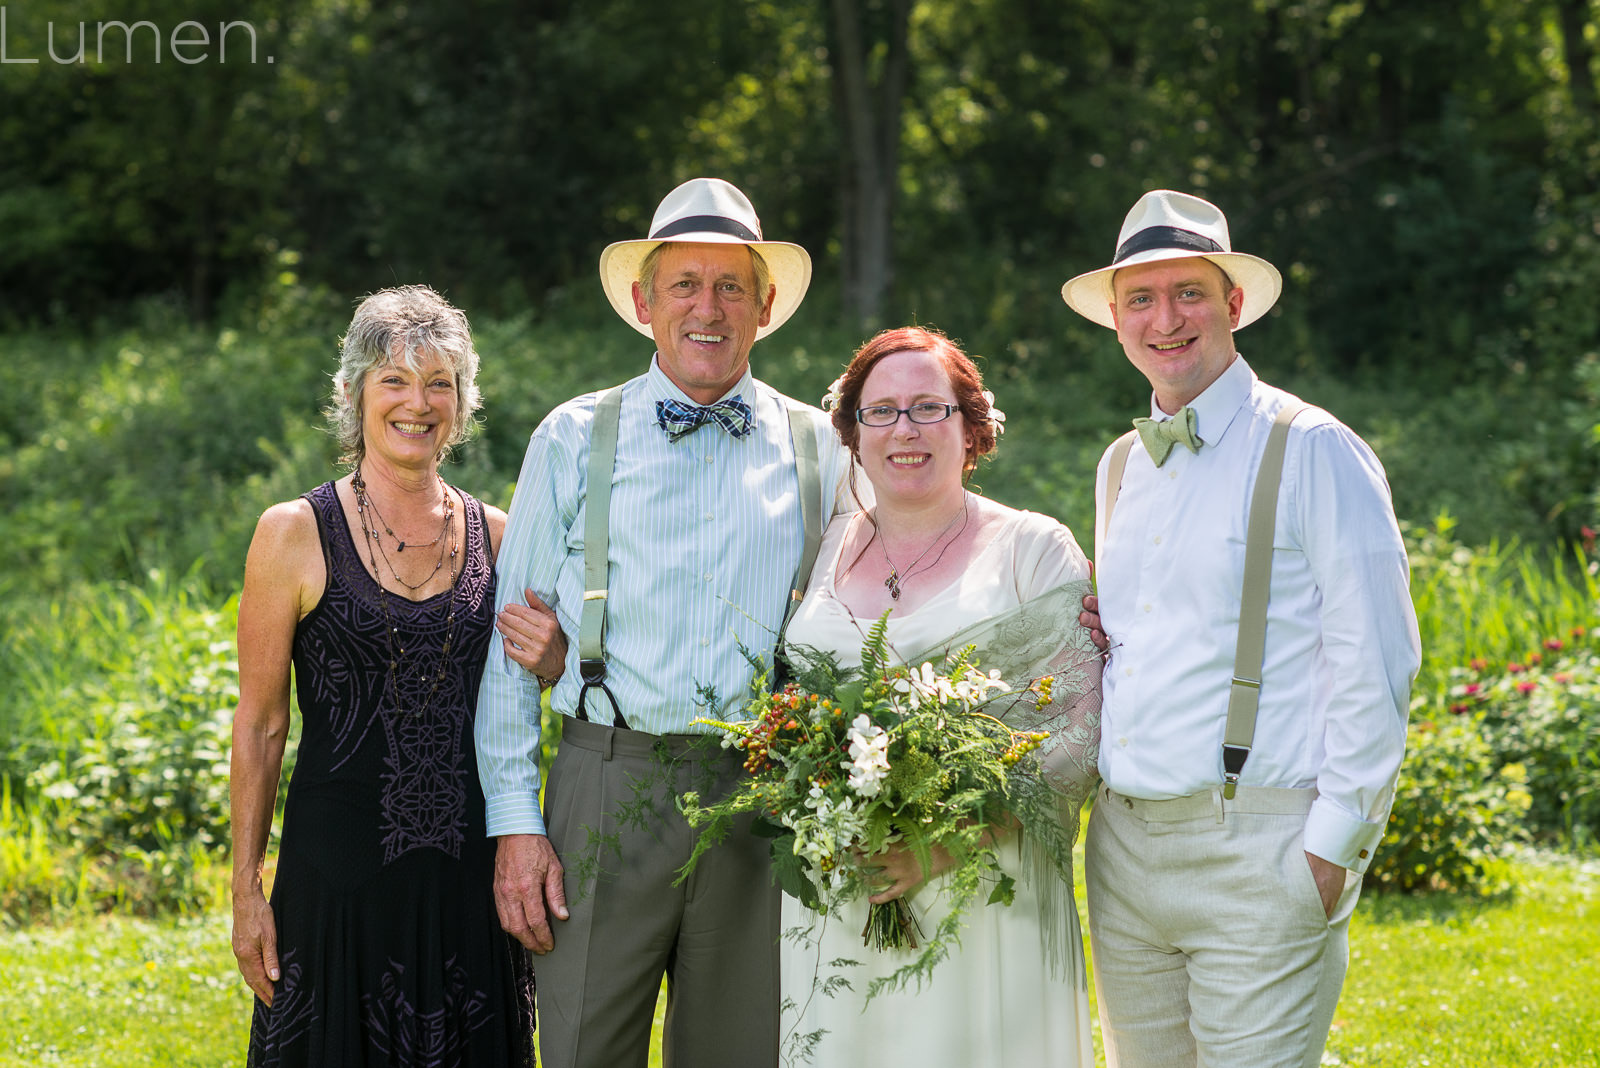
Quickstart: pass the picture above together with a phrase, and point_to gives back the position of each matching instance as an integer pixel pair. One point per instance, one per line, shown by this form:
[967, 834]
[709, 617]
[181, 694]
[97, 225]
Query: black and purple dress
[389, 946]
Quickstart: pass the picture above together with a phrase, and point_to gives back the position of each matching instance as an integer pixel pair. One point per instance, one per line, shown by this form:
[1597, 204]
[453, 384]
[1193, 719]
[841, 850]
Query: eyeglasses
[926, 412]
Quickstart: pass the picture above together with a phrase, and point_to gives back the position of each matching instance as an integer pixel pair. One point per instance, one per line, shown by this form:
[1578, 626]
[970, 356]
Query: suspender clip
[1233, 758]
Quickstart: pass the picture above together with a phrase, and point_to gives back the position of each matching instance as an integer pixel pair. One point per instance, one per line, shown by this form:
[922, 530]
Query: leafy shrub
[1538, 713]
[122, 710]
[1455, 816]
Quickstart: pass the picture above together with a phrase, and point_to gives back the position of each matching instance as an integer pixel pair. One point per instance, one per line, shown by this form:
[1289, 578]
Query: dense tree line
[1423, 169]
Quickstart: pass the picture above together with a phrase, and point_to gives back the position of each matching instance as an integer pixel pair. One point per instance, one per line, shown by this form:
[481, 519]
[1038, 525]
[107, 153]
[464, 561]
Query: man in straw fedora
[1224, 854]
[664, 525]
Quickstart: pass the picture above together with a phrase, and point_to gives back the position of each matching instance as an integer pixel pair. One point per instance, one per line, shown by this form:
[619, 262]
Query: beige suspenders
[597, 535]
[1244, 694]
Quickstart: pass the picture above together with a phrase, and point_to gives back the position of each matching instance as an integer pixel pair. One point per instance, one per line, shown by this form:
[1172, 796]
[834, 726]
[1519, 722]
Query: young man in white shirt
[1218, 914]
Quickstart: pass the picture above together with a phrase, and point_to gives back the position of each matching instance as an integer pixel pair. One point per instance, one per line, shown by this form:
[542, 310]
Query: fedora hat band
[1153, 237]
[706, 224]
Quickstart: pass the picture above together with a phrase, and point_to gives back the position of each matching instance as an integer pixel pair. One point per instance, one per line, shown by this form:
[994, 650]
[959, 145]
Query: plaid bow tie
[678, 418]
[1160, 437]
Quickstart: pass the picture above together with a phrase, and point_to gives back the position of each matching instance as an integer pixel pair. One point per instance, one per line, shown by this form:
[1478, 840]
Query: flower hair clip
[830, 399]
[996, 416]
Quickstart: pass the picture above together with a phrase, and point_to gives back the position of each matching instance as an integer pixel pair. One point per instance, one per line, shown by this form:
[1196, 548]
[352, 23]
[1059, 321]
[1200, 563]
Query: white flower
[830, 399]
[927, 684]
[974, 686]
[996, 416]
[869, 756]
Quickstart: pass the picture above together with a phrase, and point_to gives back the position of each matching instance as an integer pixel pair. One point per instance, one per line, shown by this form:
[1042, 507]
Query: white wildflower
[869, 756]
[830, 399]
[996, 416]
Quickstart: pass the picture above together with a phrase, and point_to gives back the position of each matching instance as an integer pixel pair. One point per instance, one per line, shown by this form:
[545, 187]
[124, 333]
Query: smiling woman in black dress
[380, 945]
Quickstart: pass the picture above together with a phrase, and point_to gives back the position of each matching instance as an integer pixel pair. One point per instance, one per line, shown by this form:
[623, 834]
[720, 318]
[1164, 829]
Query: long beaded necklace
[367, 511]
[895, 576]
[391, 633]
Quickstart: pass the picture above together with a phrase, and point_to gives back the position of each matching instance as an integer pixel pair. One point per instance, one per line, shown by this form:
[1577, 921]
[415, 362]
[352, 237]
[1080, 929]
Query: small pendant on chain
[893, 582]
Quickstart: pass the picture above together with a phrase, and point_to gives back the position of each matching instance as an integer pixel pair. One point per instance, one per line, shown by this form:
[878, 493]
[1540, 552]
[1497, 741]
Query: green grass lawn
[1434, 980]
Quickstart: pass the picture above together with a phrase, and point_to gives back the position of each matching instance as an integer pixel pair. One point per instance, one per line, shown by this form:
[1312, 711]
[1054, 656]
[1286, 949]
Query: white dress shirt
[705, 538]
[1342, 643]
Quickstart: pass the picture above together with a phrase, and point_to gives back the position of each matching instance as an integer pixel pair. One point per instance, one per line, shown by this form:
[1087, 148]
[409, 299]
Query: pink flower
[1553, 643]
[1472, 688]
[1478, 664]
[1562, 677]
[1526, 686]
[1459, 709]
[1515, 669]
[1577, 633]
[1535, 658]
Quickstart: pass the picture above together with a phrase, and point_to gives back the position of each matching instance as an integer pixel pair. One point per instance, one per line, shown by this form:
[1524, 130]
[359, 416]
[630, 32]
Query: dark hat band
[1165, 237]
[706, 224]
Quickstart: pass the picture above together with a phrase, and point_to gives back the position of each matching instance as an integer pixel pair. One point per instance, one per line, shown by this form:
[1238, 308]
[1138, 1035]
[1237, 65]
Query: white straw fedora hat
[1165, 225]
[708, 211]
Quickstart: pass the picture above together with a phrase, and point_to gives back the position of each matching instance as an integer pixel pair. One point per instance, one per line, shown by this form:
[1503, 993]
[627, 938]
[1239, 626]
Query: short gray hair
[399, 326]
[652, 260]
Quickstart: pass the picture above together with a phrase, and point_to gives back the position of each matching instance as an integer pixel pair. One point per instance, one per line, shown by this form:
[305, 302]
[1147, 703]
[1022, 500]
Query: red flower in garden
[1459, 709]
[1526, 686]
[1562, 677]
[1588, 540]
[1478, 663]
[1553, 643]
[1577, 633]
[1535, 658]
[1472, 688]
[1515, 669]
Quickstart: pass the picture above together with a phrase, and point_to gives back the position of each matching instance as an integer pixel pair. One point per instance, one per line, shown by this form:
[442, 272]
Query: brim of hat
[1090, 294]
[788, 269]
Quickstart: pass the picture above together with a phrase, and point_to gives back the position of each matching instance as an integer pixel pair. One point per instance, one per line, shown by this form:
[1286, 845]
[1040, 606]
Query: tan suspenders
[1244, 694]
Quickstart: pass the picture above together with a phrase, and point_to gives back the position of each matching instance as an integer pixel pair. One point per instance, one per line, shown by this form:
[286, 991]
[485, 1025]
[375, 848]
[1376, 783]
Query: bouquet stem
[891, 925]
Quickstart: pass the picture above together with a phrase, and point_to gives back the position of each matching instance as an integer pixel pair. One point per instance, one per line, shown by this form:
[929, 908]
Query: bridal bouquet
[842, 764]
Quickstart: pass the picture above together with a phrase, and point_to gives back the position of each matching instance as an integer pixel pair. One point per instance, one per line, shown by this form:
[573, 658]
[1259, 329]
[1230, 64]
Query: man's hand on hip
[528, 890]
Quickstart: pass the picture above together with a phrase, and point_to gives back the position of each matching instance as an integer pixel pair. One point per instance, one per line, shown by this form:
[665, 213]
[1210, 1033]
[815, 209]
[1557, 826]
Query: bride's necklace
[895, 576]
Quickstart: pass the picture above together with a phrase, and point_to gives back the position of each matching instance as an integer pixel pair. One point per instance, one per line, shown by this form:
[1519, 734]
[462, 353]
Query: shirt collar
[663, 388]
[1215, 408]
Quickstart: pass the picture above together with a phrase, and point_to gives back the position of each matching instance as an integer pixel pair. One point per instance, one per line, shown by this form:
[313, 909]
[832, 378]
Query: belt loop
[1216, 802]
[610, 736]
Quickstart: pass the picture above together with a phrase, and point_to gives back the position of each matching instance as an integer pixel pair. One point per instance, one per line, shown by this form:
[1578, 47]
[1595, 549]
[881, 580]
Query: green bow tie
[1160, 437]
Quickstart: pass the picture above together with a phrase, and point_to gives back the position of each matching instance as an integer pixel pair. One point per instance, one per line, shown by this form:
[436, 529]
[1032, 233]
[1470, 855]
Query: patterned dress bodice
[379, 749]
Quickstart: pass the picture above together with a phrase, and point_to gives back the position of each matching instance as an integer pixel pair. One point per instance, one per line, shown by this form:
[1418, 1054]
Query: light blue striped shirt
[705, 537]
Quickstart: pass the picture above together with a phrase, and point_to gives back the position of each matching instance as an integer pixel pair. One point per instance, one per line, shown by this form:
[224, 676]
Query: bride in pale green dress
[951, 568]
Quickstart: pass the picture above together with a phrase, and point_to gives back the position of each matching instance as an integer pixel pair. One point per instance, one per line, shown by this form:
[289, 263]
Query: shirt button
[1158, 539]
[708, 576]
[1363, 854]
[708, 517]
[704, 642]
[1172, 474]
[1128, 672]
[1147, 608]
[709, 459]
[1122, 741]
[1128, 801]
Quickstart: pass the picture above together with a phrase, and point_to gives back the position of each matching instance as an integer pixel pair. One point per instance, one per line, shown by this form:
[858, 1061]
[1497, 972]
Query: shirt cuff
[514, 814]
[1337, 837]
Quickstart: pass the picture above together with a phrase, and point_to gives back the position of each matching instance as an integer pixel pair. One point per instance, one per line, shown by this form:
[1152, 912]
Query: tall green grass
[1497, 603]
